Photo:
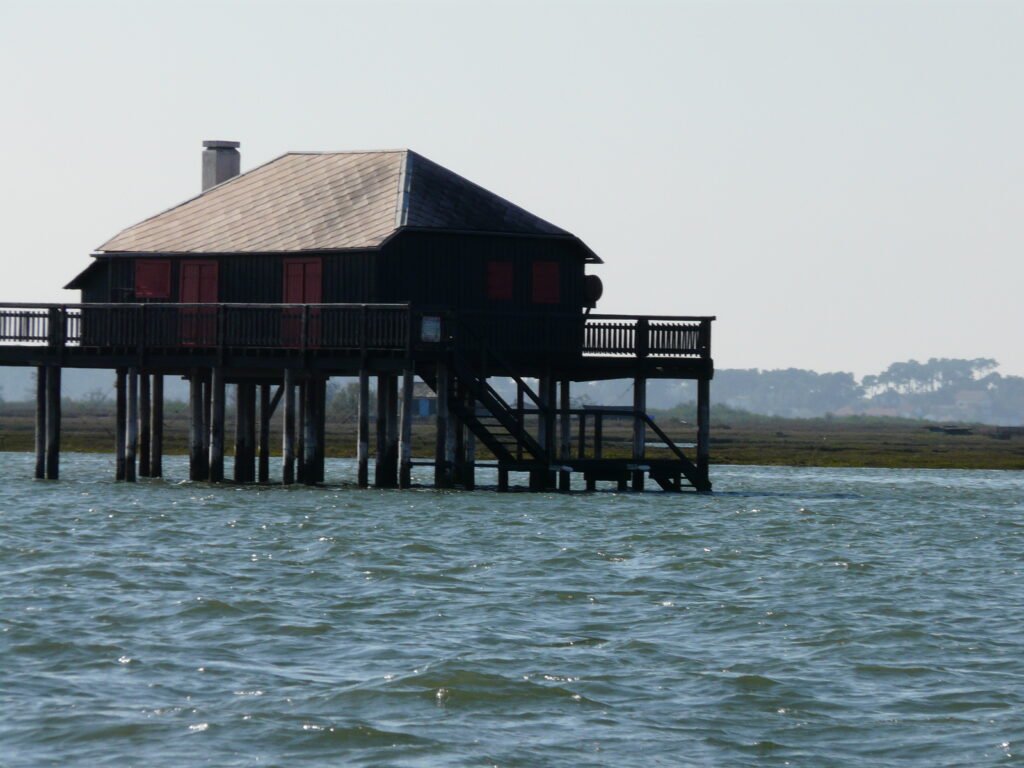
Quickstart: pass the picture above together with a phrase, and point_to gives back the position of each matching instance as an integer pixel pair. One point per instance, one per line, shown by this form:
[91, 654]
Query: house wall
[347, 277]
[450, 270]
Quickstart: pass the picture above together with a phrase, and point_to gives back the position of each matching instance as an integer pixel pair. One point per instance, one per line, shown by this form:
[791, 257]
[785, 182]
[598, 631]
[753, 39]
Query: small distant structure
[950, 429]
[369, 264]
[424, 400]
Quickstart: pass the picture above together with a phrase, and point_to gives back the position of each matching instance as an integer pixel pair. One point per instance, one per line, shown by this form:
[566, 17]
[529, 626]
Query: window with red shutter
[152, 279]
[545, 282]
[499, 280]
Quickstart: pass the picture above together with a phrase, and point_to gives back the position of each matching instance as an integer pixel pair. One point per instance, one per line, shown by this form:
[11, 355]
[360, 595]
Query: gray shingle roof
[326, 201]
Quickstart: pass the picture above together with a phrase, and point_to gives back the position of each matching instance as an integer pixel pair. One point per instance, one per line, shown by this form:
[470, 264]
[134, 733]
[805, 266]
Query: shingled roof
[305, 201]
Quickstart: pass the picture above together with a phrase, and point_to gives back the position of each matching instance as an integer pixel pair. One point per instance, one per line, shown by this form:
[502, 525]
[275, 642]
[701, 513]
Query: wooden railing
[269, 326]
[350, 327]
[647, 336]
[592, 335]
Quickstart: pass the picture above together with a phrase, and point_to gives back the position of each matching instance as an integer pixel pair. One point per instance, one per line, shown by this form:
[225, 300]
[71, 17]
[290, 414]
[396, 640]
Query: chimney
[220, 162]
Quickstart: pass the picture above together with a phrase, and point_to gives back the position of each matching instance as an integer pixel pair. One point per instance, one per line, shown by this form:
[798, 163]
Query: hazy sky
[840, 182]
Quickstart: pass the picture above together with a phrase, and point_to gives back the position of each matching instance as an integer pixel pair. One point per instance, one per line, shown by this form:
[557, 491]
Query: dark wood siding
[450, 270]
[349, 277]
[96, 286]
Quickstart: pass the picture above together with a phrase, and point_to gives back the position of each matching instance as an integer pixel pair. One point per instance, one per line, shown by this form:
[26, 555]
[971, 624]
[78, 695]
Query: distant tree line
[941, 389]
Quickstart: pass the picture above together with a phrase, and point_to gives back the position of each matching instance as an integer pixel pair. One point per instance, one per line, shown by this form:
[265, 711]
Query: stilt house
[360, 264]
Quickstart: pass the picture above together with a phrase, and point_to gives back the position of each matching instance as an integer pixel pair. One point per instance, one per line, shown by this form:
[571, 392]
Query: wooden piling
[245, 432]
[469, 450]
[703, 429]
[381, 432]
[405, 429]
[145, 433]
[565, 447]
[156, 417]
[443, 443]
[301, 394]
[120, 422]
[386, 470]
[321, 427]
[363, 430]
[40, 422]
[53, 422]
[217, 397]
[207, 409]
[288, 433]
[310, 432]
[639, 428]
[131, 439]
[521, 413]
[543, 479]
[263, 470]
[197, 460]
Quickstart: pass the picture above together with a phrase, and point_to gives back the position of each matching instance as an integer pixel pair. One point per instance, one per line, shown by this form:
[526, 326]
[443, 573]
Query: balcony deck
[337, 339]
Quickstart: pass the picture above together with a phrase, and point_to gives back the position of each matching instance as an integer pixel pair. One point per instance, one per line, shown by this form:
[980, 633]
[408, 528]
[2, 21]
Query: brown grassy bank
[736, 438]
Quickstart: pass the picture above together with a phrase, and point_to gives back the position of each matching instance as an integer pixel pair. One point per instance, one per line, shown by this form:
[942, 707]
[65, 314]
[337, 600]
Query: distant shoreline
[766, 441]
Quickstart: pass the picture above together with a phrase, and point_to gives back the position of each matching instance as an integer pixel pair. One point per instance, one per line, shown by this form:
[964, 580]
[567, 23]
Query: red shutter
[303, 283]
[198, 282]
[545, 282]
[198, 286]
[499, 280]
[152, 279]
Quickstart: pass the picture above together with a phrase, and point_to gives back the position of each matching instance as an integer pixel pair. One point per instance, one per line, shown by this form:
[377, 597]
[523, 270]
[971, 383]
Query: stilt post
[245, 432]
[53, 422]
[363, 429]
[120, 422]
[442, 442]
[217, 396]
[321, 427]
[311, 431]
[565, 425]
[639, 428]
[301, 394]
[263, 471]
[405, 428]
[207, 410]
[703, 430]
[40, 446]
[145, 432]
[469, 450]
[131, 440]
[386, 474]
[156, 437]
[288, 433]
[197, 459]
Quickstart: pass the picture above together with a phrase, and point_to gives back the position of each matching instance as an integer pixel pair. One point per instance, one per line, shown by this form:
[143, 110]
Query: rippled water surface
[798, 617]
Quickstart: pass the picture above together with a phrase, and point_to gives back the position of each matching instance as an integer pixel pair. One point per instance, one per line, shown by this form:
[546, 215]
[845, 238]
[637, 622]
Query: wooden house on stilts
[364, 264]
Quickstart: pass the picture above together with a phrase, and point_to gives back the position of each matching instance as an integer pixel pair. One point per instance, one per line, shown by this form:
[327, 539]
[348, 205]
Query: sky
[840, 182]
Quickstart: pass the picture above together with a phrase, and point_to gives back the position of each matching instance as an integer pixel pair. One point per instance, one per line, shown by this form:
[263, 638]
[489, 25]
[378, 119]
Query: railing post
[140, 335]
[221, 324]
[705, 339]
[642, 340]
[305, 329]
[362, 331]
[54, 328]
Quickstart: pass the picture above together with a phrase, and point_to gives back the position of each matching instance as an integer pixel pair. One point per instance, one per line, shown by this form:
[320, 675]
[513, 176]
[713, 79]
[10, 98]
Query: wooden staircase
[503, 430]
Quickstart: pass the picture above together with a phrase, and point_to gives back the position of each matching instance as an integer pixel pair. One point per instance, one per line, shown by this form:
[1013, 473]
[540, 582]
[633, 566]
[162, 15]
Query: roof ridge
[346, 152]
[404, 187]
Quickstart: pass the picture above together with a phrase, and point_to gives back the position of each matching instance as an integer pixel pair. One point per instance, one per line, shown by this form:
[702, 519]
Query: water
[798, 617]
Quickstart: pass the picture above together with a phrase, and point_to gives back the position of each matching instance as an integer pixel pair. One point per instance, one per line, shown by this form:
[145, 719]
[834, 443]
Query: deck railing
[348, 327]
